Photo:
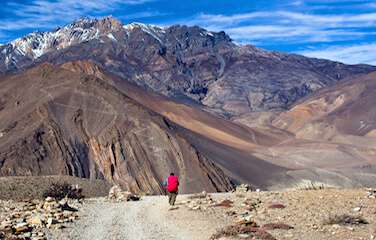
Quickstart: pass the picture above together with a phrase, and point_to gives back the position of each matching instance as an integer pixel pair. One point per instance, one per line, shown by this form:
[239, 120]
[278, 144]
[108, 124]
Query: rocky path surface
[147, 219]
[307, 214]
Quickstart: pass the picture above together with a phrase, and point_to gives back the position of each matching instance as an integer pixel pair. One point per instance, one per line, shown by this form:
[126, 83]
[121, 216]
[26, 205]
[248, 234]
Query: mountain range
[130, 103]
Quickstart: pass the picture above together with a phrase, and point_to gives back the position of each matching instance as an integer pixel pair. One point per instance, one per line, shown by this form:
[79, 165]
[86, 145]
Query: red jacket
[172, 184]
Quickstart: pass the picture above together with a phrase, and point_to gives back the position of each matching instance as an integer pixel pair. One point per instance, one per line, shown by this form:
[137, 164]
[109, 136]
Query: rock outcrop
[29, 219]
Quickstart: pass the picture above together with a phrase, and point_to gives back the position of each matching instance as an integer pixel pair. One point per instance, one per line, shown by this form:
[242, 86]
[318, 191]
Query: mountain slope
[186, 63]
[345, 108]
[130, 103]
[54, 121]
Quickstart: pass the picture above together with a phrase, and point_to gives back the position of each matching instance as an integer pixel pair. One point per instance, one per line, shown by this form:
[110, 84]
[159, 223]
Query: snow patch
[6, 61]
[153, 30]
[209, 34]
[111, 36]
[36, 44]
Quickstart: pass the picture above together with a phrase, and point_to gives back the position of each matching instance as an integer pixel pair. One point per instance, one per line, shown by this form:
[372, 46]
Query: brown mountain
[56, 121]
[333, 133]
[346, 108]
[187, 63]
[131, 103]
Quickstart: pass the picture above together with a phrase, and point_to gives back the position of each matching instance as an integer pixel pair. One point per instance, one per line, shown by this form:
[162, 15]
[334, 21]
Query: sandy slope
[143, 220]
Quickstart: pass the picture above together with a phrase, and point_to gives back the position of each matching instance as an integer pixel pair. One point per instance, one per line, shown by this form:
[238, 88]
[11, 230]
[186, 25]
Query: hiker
[172, 185]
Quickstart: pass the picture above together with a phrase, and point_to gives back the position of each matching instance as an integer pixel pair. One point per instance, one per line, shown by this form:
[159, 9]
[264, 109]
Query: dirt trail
[147, 219]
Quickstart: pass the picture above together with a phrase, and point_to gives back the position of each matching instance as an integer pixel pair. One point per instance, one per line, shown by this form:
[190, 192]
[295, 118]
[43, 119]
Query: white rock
[49, 199]
[357, 209]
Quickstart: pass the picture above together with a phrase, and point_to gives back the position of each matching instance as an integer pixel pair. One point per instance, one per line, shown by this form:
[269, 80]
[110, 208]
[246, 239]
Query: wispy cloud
[293, 34]
[364, 53]
[279, 25]
[49, 14]
[337, 19]
[289, 26]
[144, 14]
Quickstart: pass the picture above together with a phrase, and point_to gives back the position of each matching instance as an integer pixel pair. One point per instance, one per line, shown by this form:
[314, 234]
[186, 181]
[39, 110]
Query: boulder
[50, 222]
[21, 227]
[35, 220]
[243, 188]
[117, 194]
[49, 199]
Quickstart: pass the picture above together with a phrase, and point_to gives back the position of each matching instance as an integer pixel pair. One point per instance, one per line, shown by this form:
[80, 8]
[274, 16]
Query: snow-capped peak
[36, 44]
[154, 30]
[143, 26]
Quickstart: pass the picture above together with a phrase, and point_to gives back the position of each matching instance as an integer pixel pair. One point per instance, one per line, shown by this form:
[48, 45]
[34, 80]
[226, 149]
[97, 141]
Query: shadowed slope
[55, 121]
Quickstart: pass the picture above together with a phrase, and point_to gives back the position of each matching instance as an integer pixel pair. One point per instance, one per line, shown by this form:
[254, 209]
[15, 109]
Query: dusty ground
[147, 219]
[307, 211]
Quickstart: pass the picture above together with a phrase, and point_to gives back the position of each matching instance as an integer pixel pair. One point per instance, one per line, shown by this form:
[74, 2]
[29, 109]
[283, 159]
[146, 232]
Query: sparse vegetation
[240, 195]
[21, 188]
[276, 206]
[273, 226]
[235, 230]
[224, 203]
[345, 220]
[199, 195]
[62, 190]
[310, 185]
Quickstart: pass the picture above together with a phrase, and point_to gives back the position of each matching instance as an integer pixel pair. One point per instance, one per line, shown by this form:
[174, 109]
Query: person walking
[172, 186]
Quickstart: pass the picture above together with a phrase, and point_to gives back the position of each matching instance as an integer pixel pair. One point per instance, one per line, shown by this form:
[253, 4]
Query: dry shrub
[252, 205]
[62, 190]
[310, 185]
[234, 230]
[198, 195]
[276, 206]
[273, 226]
[225, 203]
[240, 195]
[248, 223]
[345, 220]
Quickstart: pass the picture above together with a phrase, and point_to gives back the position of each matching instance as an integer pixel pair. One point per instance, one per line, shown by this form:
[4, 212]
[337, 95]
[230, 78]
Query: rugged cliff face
[55, 121]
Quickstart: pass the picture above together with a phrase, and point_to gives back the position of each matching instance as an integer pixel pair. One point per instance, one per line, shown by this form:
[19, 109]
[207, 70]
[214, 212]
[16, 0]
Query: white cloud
[207, 19]
[289, 26]
[144, 14]
[328, 20]
[297, 3]
[290, 33]
[365, 53]
[49, 14]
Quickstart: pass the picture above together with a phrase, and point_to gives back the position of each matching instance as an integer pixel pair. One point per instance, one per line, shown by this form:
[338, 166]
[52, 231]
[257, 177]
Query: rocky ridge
[187, 63]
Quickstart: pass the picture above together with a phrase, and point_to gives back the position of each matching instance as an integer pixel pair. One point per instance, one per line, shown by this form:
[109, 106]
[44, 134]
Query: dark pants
[172, 197]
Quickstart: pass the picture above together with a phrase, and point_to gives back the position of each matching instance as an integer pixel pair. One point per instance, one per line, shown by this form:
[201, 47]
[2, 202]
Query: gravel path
[147, 219]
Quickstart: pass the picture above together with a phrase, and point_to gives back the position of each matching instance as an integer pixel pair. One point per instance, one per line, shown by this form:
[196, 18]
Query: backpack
[172, 184]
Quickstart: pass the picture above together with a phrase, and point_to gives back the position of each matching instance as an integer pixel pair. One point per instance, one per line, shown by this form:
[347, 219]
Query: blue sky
[343, 30]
